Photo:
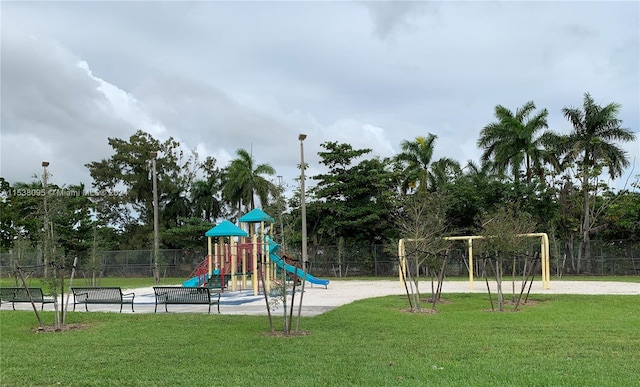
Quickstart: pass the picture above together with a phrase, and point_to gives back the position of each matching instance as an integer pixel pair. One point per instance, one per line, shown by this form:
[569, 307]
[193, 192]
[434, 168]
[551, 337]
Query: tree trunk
[586, 220]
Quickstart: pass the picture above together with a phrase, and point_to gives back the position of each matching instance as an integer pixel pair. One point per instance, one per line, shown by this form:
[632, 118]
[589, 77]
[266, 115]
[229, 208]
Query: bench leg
[121, 307]
[155, 310]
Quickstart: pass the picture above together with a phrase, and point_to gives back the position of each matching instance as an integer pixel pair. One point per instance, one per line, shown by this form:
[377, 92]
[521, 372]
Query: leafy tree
[124, 185]
[622, 217]
[591, 146]
[443, 171]
[513, 140]
[205, 200]
[502, 230]
[189, 235]
[352, 200]
[422, 223]
[471, 195]
[22, 212]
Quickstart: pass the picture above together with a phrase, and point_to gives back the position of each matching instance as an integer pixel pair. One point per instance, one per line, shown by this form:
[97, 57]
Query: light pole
[303, 207]
[156, 235]
[45, 244]
[303, 210]
[281, 191]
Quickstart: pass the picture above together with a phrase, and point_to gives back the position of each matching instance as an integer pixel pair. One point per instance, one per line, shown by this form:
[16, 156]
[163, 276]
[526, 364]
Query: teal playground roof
[255, 216]
[226, 228]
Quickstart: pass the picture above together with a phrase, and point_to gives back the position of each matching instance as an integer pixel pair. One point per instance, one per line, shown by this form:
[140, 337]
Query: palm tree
[511, 141]
[203, 198]
[591, 146]
[443, 170]
[417, 157]
[244, 180]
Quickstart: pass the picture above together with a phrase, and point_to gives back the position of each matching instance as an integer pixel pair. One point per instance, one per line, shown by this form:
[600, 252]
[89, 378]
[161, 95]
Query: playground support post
[209, 263]
[256, 269]
[234, 263]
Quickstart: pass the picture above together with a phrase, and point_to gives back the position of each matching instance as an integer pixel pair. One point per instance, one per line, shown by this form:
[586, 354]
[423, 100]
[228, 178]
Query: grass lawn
[560, 340]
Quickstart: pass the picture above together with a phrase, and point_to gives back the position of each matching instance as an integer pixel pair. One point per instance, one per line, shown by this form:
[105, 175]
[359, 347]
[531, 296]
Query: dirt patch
[290, 334]
[65, 328]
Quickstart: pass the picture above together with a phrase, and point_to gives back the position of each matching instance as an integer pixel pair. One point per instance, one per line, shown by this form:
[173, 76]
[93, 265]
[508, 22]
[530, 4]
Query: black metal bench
[101, 295]
[14, 295]
[186, 295]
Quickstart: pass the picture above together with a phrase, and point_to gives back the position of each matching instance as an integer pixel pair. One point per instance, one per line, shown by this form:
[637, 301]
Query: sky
[219, 76]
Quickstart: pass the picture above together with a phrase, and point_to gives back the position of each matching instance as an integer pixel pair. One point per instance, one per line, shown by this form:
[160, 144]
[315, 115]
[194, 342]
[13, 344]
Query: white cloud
[226, 75]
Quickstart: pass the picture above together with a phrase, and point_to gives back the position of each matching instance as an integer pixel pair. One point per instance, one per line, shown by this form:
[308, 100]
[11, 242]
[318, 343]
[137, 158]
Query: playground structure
[544, 256]
[236, 256]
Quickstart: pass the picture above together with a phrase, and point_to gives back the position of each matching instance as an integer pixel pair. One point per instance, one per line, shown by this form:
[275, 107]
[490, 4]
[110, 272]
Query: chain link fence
[618, 258]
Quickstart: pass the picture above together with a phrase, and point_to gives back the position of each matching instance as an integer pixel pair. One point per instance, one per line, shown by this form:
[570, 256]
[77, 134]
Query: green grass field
[558, 340]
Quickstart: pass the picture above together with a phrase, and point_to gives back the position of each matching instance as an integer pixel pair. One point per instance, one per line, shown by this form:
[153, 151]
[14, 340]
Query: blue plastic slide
[194, 282]
[292, 269]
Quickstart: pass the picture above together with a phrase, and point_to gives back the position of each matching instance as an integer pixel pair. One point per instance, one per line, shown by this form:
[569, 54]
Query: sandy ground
[317, 299]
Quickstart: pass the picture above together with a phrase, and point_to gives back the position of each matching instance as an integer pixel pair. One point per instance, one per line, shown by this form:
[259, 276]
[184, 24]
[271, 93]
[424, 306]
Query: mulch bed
[65, 328]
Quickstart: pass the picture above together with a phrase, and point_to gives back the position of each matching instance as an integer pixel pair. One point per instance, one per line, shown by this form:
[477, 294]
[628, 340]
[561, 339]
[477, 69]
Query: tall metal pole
[156, 235]
[281, 189]
[303, 210]
[45, 240]
[303, 207]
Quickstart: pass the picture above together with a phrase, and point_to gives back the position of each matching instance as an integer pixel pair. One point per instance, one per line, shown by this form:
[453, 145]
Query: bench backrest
[108, 294]
[20, 294]
[183, 295]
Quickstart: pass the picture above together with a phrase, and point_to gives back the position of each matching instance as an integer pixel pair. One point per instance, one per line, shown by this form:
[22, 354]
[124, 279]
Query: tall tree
[205, 192]
[513, 140]
[417, 155]
[591, 146]
[352, 200]
[244, 180]
[123, 184]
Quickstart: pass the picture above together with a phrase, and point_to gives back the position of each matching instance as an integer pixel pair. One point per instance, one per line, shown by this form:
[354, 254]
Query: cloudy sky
[219, 76]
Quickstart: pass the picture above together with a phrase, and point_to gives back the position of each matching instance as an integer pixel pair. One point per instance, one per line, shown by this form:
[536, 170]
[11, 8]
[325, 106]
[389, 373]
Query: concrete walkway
[318, 300]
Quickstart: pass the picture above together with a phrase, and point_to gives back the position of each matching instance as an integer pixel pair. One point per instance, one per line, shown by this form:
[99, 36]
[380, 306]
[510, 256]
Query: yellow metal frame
[544, 255]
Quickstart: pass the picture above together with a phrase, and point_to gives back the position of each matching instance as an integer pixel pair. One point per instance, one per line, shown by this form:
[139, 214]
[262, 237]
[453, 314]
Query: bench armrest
[127, 295]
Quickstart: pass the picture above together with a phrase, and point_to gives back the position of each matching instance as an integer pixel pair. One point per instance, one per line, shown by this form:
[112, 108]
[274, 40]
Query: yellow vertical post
[216, 254]
[234, 262]
[222, 253]
[273, 267]
[244, 267]
[470, 263]
[209, 263]
[255, 278]
[546, 264]
[543, 265]
[265, 258]
[401, 262]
